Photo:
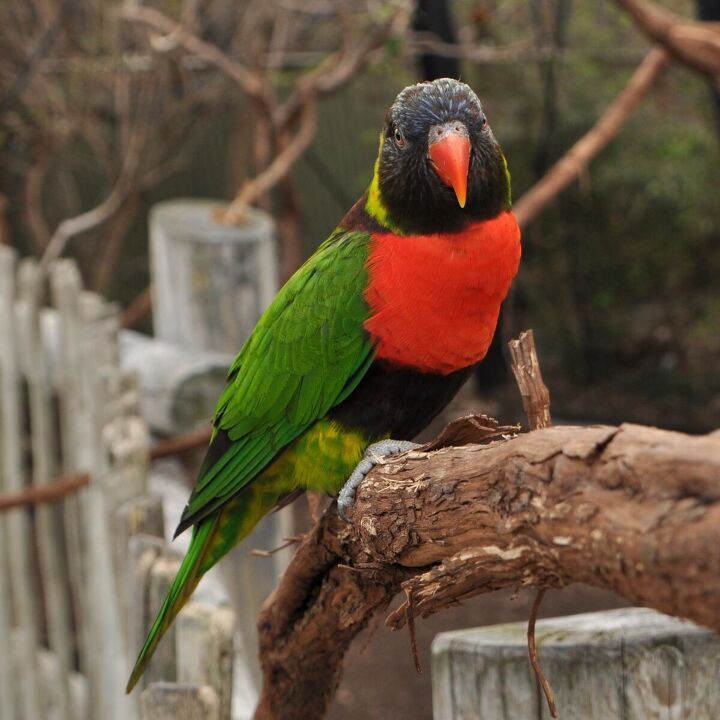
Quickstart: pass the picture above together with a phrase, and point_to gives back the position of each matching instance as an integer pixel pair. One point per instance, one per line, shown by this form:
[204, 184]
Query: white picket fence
[82, 577]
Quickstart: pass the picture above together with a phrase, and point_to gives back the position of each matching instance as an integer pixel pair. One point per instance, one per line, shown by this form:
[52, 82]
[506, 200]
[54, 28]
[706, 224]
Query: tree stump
[211, 282]
[633, 664]
[167, 701]
[204, 648]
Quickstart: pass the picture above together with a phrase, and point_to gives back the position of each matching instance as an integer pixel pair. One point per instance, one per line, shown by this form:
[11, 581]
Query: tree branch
[630, 509]
[84, 222]
[250, 83]
[51, 491]
[533, 391]
[696, 44]
[103, 212]
[575, 161]
[278, 168]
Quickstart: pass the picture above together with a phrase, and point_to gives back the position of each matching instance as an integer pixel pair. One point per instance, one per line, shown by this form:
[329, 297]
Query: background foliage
[619, 277]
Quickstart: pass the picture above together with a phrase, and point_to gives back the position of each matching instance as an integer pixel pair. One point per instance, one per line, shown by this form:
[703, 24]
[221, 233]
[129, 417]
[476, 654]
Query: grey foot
[371, 457]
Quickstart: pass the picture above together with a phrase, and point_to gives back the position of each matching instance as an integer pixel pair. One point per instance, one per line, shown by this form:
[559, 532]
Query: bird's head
[439, 166]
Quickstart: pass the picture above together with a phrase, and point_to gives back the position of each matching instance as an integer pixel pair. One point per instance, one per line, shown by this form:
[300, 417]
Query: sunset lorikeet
[370, 338]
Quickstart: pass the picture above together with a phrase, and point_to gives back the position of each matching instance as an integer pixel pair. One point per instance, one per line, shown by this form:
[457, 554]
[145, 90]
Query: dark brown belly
[398, 402]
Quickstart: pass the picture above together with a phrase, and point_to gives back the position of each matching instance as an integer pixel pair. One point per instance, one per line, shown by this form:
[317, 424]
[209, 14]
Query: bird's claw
[372, 456]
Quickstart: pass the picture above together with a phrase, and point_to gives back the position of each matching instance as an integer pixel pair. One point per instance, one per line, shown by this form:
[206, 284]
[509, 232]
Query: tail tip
[135, 675]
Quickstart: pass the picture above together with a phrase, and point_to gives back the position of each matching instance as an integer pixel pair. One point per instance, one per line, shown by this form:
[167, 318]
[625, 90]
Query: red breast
[434, 299]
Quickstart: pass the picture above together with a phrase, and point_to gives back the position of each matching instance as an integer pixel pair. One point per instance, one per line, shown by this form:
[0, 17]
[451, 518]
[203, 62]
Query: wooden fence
[82, 577]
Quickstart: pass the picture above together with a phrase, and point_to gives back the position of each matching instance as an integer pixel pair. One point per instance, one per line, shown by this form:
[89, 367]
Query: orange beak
[450, 156]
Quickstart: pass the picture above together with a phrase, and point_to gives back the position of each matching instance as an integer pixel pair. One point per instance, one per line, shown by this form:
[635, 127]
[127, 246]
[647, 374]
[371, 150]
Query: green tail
[185, 582]
[212, 538]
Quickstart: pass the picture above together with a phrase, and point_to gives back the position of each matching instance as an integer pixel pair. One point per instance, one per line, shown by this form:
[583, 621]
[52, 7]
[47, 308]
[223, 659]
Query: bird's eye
[483, 122]
[399, 137]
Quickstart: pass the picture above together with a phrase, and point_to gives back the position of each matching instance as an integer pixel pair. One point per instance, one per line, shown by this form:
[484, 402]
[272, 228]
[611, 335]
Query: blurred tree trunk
[434, 16]
[550, 18]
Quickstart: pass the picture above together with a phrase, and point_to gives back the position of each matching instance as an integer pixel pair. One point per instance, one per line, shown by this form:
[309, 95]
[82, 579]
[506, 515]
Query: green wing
[308, 353]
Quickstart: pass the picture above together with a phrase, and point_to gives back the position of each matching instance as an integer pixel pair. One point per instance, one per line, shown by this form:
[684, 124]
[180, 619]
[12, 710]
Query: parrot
[369, 340]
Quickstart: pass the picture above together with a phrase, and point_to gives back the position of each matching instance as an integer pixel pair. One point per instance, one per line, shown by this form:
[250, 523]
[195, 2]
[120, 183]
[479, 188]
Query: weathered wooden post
[11, 480]
[48, 517]
[211, 283]
[163, 666]
[204, 648]
[167, 701]
[633, 664]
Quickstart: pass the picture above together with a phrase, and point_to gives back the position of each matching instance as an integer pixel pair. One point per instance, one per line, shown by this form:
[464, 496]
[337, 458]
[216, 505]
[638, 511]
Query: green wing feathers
[308, 352]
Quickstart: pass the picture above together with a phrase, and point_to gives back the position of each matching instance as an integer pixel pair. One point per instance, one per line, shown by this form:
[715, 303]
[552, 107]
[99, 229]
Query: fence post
[167, 701]
[136, 521]
[204, 649]
[48, 518]
[22, 591]
[96, 371]
[6, 683]
[162, 573]
[632, 663]
[73, 403]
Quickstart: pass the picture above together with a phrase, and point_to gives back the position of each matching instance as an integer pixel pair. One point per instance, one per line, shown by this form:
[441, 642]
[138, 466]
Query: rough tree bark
[631, 509]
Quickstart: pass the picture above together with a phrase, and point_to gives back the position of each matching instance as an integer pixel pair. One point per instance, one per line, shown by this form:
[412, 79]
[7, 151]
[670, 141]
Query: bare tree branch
[101, 213]
[536, 402]
[177, 35]
[335, 71]
[278, 168]
[696, 44]
[575, 161]
[48, 492]
[630, 509]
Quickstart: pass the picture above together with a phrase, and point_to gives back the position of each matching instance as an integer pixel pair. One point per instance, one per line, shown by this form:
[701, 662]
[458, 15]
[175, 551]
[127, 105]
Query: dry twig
[176, 35]
[137, 309]
[278, 168]
[287, 542]
[410, 620]
[51, 491]
[533, 654]
[181, 443]
[103, 212]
